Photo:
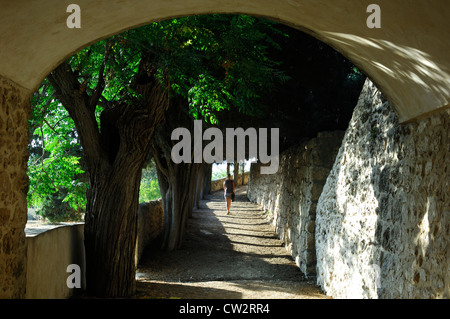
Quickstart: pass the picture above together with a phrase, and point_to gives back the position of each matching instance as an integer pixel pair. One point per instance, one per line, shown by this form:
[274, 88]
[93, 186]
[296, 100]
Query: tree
[117, 92]
[57, 178]
[115, 150]
[306, 104]
[232, 71]
[177, 182]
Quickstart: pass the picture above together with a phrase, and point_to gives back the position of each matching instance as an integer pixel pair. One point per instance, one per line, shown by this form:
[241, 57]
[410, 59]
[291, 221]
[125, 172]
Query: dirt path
[236, 256]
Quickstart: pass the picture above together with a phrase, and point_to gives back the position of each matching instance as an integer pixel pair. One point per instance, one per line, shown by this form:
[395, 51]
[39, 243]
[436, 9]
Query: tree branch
[76, 102]
[53, 128]
[101, 78]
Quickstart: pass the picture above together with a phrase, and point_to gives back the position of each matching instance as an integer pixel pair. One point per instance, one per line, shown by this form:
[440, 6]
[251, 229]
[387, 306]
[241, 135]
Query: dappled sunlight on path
[225, 256]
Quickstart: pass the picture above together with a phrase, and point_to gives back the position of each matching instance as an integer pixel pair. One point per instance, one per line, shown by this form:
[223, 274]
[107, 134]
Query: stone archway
[407, 58]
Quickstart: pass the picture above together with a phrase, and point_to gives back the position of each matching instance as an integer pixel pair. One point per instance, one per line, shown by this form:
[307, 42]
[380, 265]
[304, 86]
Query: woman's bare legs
[228, 205]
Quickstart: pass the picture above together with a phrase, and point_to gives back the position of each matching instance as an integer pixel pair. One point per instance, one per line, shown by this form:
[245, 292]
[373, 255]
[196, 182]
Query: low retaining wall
[217, 185]
[150, 225]
[290, 196]
[51, 248]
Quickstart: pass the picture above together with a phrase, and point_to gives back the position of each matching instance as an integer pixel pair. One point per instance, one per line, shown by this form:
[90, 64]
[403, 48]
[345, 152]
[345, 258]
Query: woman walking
[228, 187]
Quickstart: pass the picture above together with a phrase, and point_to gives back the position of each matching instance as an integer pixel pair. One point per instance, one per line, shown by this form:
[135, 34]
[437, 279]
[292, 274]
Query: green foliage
[149, 189]
[54, 165]
[57, 208]
[115, 60]
[219, 172]
[216, 62]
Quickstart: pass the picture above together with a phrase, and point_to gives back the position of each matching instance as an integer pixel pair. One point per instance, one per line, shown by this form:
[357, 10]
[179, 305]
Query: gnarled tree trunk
[178, 182]
[110, 231]
[177, 186]
[115, 156]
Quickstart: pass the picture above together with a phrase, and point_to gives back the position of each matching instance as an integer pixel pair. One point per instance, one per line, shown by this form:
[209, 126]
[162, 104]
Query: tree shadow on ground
[224, 256]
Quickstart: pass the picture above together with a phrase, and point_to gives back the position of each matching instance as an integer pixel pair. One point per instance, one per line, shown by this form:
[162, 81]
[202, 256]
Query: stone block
[14, 136]
[389, 187]
[300, 179]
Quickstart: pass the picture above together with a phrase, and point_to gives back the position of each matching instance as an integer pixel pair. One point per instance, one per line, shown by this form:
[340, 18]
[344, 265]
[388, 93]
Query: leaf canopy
[216, 62]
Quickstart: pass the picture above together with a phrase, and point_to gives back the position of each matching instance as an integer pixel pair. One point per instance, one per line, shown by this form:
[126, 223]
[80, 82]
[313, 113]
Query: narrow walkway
[236, 256]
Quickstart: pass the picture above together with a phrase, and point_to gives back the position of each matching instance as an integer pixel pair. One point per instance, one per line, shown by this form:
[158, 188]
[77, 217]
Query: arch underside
[407, 57]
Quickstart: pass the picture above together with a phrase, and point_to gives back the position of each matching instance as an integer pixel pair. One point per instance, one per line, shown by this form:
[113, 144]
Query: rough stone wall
[150, 225]
[14, 139]
[382, 227]
[290, 196]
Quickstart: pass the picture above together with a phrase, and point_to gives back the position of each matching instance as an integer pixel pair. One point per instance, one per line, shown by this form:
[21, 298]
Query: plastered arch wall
[407, 57]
